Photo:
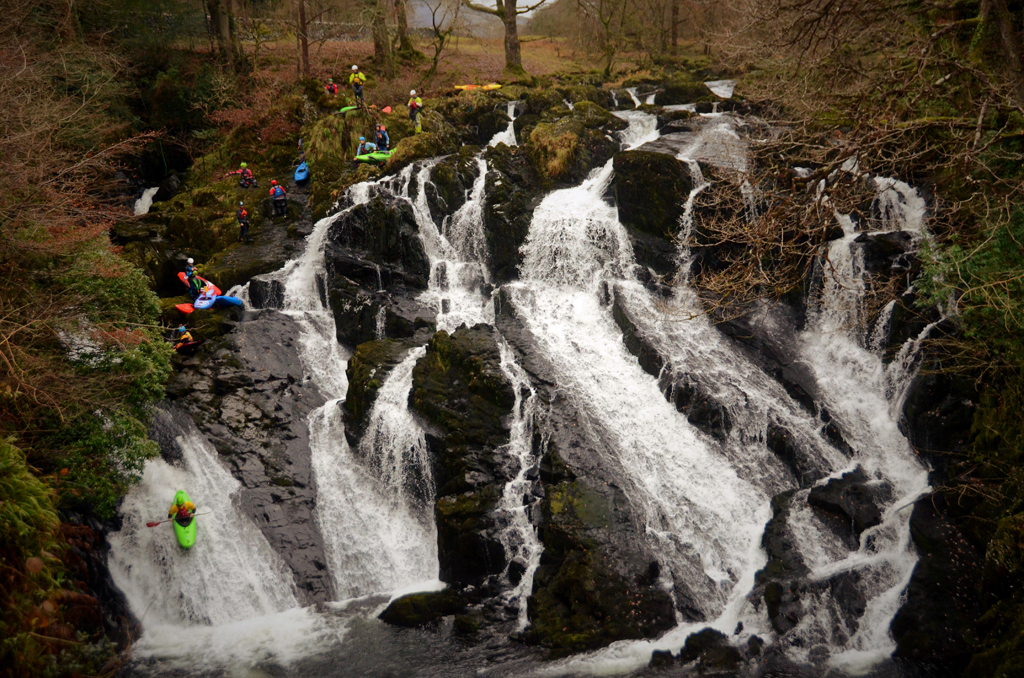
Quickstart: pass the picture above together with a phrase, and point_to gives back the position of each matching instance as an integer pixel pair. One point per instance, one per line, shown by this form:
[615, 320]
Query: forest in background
[931, 92]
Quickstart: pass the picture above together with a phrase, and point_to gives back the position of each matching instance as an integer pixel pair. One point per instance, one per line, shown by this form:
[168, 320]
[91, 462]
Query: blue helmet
[362, 138]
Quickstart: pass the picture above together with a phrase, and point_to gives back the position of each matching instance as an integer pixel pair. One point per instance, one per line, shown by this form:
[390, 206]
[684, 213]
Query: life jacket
[332, 88]
[185, 338]
[242, 215]
[190, 270]
[277, 192]
[382, 139]
[415, 103]
[247, 174]
[357, 79]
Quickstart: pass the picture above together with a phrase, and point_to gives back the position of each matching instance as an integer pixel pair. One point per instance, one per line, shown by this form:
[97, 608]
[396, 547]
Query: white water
[721, 88]
[632, 95]
[225, 590]
[143, 204]
[508, 137]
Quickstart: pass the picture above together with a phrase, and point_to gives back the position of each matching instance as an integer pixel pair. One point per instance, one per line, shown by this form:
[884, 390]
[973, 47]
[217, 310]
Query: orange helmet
[273, 182]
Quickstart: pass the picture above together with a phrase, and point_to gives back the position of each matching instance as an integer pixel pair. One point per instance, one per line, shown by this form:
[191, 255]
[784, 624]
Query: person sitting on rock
[357, 80]
[365, 147]
[184, 337]
[243, 223]
[382, 139]
[415, 107]
[246, 178]
[280, 198]
[331, 88]
[183, 511]
[190, 268]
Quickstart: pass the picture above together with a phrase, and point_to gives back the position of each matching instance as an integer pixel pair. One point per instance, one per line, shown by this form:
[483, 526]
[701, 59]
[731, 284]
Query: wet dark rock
[650, 191]
[375, 237]
[168, 188]
[938, 412]
[512, 193]
[420, 609]
[783, 445]
[906, 322]
[246, 393]
[887, 252]
[451, 179]
[266, 292]
[936, 627]
[852, 499]
[357, 312]
[712, 651]
[459, 388]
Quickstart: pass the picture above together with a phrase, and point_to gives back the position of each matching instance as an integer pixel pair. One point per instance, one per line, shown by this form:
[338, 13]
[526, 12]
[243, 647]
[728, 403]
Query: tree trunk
[303, 38]
[675, 26]
[237, 56]
[513, 57]
[219, 15]
[404, 43]
[996, 11]
[381, 39]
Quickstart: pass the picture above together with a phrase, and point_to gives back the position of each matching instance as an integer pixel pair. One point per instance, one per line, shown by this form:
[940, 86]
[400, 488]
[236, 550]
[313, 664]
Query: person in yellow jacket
[357, 80]
[182, 509]
[415, 106]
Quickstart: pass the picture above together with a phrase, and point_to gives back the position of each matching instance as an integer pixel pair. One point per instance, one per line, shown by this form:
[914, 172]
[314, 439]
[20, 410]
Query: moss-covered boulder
[420, 609]
[451, 179]
[651, 191]
[437, 138]
[367, 369]
[580, 601]
[460, 389]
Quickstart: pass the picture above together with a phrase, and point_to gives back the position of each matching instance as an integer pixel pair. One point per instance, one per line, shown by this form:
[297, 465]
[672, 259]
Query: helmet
[273, 182]
[412, 92]
[243, 165]
[191, 261]
[180, 497]
[362, 138]
[330, 80]
[354, 67]
[241, 204]
[181, 328]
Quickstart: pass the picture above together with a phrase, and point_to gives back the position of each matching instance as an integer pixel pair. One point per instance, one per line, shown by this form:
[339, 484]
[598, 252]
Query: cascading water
[632, 95]
[508, 137]
[145, 201]
[229, 592]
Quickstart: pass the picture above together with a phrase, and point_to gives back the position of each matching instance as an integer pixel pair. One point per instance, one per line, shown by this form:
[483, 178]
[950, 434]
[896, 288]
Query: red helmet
[273, 182]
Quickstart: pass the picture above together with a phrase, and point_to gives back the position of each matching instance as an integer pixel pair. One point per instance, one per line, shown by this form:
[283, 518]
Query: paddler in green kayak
[365, 148]
[183, 511]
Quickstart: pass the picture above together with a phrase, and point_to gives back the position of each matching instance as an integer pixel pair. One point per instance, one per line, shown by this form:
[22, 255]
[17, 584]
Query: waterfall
[632, 95]
[721, 88]
[568, 104]
[650, 98]
[145, 201]
[519, 537]
[508, 137]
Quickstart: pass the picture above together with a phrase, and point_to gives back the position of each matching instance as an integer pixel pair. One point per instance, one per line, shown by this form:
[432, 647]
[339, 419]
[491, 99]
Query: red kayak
[189, 347]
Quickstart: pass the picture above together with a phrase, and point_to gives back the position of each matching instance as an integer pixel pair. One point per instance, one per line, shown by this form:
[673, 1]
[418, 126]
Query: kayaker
[415, 106]
[280, 198]
[195, 286]
[383, 141]
[366, 147]
[182, 510]
[357, 80]
[190, 267]
[246, 178]
[184, 337]
[331, 88]
[243, 223]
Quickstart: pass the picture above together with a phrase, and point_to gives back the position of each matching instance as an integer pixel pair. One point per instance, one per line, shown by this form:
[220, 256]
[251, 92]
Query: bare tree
[444, 21]
[374, 15]
[509, 13]
[402, 21]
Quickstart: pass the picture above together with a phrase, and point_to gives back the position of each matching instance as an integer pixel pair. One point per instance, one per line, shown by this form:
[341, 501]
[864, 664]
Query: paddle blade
[159, 522]
[386, 109]
[185, 308]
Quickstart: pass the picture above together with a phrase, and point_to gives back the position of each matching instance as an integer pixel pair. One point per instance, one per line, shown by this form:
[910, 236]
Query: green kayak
[186, 534]
[378, 156]
[346, 109]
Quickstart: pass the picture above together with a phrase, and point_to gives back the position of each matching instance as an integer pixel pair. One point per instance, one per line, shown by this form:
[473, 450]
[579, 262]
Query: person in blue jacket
[383, 141]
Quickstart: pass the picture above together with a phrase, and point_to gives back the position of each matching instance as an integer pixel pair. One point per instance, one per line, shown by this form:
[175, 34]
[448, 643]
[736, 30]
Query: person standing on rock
[415, 106]
[382, 139]
[280, 198]
[190, 266]
[331, 88]
[357, 80]
[246, 178]
[243, 223]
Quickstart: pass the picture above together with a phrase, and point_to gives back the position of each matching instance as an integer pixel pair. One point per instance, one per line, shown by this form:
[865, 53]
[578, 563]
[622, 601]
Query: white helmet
[412, 92]
[190, 260]
[354, 67]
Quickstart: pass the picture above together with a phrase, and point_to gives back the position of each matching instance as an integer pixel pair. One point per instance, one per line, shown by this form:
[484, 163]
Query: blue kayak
[302, 173]
[216, 301]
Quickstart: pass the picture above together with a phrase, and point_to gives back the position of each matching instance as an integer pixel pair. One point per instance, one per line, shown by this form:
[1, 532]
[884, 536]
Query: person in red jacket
[280, 198]
[243, 223]
[246, 178]
[331, 88]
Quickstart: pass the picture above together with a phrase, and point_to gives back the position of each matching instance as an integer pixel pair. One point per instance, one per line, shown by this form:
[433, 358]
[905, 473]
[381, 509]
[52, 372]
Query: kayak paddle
[161, 522]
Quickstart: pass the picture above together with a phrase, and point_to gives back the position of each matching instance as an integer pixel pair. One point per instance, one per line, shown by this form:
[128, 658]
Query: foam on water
[145, 201]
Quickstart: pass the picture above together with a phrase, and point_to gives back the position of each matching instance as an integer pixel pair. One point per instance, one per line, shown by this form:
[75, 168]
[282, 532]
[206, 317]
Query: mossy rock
[427, 144]
[539, 100]
[420, 609]
[205, 197]
[367, 369]
[651, 191]
[451, 179]
[593, 116]
[551, 148]
[577, 93]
